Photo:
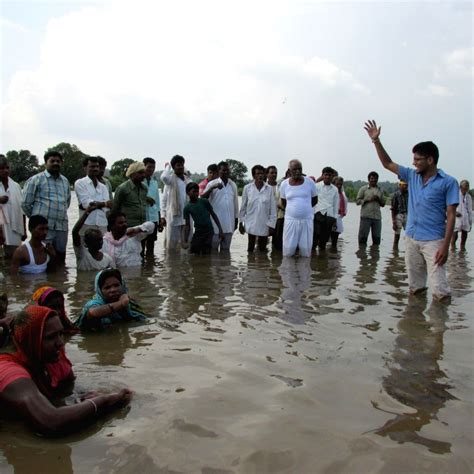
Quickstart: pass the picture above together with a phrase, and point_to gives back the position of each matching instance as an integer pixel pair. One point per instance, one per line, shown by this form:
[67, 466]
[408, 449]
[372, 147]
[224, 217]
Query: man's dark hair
[328, 169]
[50, 154]
[102, 161]
[3, 160]
[190, 186]
[221, 164]
[35, 221]
[109, 273]
[175, 160]
[92, 159]
[427, 149]
[373, 173]
[212, 168]
[257, 168]
[112, 217]
[91, 235]
[271, 167]
[148, 160]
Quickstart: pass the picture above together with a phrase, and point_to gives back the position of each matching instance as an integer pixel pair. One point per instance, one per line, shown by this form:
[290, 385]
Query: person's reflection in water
[415, 378]
[395, 275]
[367, 270]
[259, 287]
[110, 349]
[295, 275]
[27, 455]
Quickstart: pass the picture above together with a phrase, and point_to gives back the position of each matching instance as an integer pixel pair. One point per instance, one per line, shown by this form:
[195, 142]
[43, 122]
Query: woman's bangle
[375, 140]
[94, 404]
[111, 308]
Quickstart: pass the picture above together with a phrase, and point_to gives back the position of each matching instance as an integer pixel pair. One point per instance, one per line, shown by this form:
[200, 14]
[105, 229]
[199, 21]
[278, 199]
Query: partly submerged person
[54, 299]
[110, 303]
[32, 377]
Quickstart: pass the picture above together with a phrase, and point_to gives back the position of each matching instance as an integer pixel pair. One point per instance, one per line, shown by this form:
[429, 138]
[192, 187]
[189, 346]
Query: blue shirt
[49, 197]
[152, 212]
[427, 203]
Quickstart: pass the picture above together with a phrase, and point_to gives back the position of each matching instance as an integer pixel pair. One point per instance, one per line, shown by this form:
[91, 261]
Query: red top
[202, 186]
[11, 371]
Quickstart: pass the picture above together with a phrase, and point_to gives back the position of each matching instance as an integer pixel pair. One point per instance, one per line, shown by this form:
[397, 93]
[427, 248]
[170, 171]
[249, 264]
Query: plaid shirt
[45, 196]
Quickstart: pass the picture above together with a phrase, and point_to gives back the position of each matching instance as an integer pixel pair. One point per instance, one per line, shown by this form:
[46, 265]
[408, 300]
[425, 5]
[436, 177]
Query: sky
[256, 81]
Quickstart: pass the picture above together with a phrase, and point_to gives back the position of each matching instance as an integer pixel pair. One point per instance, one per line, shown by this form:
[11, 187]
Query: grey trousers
[366, 225]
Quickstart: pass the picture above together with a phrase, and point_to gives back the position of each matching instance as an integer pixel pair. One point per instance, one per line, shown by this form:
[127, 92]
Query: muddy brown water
[258, 364]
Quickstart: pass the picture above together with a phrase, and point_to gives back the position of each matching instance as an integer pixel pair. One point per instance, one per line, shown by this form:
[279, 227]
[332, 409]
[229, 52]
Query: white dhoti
[297, 233]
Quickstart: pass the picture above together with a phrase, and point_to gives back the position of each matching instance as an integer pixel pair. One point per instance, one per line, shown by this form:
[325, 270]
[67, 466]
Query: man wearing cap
[399, 210]
[131, 196]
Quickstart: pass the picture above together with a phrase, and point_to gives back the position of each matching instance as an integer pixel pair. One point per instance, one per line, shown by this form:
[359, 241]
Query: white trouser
[419, 260]
[297, 233]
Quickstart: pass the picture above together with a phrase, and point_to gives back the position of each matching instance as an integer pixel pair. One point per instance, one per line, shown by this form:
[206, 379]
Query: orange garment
[26, 361]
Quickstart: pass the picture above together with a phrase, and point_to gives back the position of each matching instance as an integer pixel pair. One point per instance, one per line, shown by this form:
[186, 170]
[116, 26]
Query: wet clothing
[132, 313]
[25, 362]
[40, 297]
[125, 252]
[298, 224]
[426, 227]
[86, 194]
[85, 261]
[33, 268]
[399, 204]
[200, 212]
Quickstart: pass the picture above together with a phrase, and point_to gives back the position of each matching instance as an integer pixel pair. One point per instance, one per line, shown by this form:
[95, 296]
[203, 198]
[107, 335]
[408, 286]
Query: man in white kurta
[90, 190]
[258, 210]
[299, 195]
[223, 196]
[174, 200]
[12, 219]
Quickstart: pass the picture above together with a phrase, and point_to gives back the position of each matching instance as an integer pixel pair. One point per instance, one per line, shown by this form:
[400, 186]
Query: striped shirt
[48, 197]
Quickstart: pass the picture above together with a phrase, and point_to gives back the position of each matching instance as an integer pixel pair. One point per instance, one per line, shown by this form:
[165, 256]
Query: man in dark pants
[371, 199]
[326, 210]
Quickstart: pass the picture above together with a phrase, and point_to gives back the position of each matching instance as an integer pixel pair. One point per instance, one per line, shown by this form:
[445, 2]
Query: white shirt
[298, 198]
[85, 261]
[126, 251]
[225, 204]
[258, 209]
[328, 200]
[86, 193]
[167, 201]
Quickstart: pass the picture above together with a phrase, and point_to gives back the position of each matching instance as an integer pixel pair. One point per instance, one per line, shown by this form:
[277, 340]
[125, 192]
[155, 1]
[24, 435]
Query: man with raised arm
[431, 214]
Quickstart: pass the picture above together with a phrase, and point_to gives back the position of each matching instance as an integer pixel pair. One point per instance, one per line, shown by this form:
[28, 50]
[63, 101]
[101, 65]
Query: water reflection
[415, 378]
[25, 452]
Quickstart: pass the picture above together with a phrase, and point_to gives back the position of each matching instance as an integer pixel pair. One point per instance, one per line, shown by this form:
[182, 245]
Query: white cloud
[437, 90]
[118, 65]
[458, 63]
[11, 25]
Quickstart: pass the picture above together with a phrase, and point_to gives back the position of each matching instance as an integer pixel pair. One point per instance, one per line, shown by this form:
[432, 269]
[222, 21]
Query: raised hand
[371, 128]
[124, 300]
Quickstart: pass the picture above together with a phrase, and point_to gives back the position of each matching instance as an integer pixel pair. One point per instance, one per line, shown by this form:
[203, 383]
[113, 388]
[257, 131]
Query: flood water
[258, 364]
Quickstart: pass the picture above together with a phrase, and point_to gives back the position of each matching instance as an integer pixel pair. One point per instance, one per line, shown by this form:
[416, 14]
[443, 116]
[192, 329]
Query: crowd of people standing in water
[300, 215]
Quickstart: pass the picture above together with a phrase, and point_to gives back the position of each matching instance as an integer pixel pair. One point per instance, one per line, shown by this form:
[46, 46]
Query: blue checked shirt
[45, 196]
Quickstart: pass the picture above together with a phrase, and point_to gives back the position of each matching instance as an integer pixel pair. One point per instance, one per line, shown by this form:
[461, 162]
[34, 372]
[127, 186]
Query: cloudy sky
[261, 82]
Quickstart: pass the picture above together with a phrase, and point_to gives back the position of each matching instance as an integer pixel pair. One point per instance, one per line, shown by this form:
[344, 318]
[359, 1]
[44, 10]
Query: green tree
[120, 167]
[23, 165]
[238, 171]
[73, 157]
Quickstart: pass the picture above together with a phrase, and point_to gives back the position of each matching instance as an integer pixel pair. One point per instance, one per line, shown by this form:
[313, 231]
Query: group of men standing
[300, 213]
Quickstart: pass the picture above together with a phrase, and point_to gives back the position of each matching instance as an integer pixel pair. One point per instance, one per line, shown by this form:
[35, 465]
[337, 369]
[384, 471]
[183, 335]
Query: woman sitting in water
[32, 377]
[54, 299]
[110, 303]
